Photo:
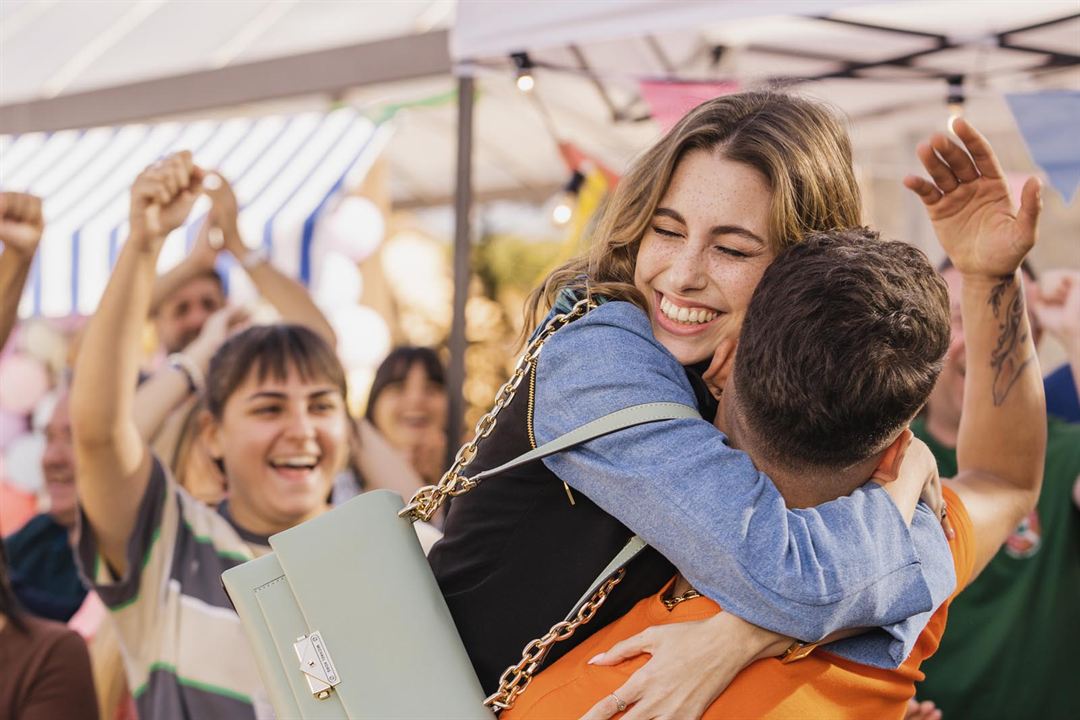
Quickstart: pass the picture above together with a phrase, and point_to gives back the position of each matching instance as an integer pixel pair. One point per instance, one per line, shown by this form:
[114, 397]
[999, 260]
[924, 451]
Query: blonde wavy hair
[800, 146]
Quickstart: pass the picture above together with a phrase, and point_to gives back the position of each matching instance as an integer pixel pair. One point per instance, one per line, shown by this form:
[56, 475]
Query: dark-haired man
[840, 347]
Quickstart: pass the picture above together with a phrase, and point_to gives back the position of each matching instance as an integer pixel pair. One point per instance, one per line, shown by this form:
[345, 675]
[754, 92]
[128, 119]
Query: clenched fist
[161, 198]
[21, 222]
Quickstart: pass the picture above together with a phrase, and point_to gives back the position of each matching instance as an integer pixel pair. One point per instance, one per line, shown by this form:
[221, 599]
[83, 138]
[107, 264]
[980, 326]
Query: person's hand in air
[1058, 309]
[161, 199]
[21, 223]
[968, 203]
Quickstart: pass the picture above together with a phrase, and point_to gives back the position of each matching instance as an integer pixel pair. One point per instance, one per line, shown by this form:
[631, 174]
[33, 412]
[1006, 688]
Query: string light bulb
[524, 77]
[563, 210]
[955, 99]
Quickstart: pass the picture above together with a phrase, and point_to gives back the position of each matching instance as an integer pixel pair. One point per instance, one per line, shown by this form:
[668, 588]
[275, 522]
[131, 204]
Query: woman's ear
[723, 362]
[210, 433]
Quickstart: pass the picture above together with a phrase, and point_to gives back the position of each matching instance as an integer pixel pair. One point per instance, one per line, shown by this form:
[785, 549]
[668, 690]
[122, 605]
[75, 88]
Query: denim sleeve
[850, 562]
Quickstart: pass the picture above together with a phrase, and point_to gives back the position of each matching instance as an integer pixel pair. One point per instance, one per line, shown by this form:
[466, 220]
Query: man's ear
[888, 468]
[723, 362]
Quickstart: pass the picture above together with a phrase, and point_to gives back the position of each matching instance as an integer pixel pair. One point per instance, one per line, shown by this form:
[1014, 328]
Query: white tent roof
[190, 52]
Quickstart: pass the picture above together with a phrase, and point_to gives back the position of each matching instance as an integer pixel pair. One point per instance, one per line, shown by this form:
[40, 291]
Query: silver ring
[620, 705]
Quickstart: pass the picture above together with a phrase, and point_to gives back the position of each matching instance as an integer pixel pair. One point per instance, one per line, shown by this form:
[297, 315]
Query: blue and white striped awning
[285, 169]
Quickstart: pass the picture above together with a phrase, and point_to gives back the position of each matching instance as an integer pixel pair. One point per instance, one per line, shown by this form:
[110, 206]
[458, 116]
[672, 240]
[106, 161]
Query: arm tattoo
[1007, 361]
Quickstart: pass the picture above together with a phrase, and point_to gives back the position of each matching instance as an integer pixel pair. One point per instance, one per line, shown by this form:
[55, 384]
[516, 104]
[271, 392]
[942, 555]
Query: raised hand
[162, 197]
[969, 205]
[21, 222]
[1058, 305]
[224, 214]
[218, 328]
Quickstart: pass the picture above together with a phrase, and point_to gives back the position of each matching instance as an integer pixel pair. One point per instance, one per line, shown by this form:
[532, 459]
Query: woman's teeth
[695, 316]
[305, 462]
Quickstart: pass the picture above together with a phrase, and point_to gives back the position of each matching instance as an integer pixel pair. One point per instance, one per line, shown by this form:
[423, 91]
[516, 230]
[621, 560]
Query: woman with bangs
[276, 423]
[408, 405]
[679, 250]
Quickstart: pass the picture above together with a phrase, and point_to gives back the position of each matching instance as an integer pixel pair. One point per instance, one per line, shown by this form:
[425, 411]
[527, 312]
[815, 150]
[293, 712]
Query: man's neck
[807, 487]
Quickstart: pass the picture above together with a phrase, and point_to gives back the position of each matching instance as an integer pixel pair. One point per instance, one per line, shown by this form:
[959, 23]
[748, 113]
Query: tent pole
[462, 242]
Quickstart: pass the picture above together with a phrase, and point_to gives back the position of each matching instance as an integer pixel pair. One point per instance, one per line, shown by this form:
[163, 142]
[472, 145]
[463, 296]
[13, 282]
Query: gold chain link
[428, 499]
[517, 677]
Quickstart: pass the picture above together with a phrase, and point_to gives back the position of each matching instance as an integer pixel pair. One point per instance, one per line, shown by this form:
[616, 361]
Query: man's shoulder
[36, 528]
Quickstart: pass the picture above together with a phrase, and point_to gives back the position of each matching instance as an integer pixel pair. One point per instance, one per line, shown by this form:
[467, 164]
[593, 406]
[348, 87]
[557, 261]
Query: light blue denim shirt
[851, 562]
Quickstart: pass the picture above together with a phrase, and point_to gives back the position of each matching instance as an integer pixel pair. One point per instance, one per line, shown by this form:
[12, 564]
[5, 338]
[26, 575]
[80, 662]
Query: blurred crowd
[399, 444]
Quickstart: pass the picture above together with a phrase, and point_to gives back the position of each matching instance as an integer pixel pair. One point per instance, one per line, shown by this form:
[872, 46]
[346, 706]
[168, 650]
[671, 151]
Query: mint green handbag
[345, 617]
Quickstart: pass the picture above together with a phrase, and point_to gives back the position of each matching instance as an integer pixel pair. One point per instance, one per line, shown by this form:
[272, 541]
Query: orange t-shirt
[821, 685]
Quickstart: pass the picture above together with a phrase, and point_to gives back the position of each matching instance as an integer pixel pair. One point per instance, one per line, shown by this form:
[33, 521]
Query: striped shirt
[184, 650]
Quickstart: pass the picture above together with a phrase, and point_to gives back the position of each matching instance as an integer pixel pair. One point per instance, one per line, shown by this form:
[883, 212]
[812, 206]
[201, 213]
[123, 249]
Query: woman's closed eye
[266, 410]
[666, 233]
[730, 251]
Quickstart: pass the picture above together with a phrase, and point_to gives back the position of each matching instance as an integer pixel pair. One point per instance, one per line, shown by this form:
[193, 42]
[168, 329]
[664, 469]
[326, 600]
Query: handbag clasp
[315, 663]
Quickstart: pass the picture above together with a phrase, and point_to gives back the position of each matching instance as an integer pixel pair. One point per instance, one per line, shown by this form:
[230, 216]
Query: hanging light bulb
[563, 209]
[956, 98]
[525, 80]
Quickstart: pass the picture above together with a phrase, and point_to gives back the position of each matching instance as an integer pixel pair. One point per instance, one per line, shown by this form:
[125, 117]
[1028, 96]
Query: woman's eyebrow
[716, 230]
[668, 212]
[736, 230]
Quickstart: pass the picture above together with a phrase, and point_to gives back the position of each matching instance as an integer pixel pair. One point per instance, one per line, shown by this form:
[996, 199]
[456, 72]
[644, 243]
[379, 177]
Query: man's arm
[200, 260]
[168, 388]
[1002, 438]
[113, 460]
[291, 299]
[21, 226]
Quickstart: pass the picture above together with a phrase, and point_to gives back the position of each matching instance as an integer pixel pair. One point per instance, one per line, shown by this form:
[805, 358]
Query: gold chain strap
[428, 499]
[517, 677]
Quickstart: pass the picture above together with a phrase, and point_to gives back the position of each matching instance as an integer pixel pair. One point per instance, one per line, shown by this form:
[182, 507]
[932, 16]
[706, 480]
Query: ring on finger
[620, 704]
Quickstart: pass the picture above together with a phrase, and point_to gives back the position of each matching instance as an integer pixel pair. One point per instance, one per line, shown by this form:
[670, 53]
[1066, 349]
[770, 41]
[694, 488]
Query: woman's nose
[687, 268]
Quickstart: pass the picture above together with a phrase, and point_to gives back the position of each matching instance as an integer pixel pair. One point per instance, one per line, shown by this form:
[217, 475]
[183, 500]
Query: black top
[42, 567]
[516, 555]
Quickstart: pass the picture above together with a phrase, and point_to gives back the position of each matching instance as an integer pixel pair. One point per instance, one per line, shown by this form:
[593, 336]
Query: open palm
[968, 203]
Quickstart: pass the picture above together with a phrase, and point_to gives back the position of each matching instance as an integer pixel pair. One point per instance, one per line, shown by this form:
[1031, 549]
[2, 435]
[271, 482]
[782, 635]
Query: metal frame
[330, 71]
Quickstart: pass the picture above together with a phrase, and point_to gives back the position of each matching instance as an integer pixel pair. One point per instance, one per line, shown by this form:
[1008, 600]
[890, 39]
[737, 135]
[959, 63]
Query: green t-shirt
[1009, 649]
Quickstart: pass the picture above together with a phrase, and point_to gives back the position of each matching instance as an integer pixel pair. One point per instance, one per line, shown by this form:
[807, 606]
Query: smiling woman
[275, 421]
[676, 257]
[408, 405]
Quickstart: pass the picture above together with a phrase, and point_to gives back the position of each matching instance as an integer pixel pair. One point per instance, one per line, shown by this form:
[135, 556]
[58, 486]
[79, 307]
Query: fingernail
[595, 659]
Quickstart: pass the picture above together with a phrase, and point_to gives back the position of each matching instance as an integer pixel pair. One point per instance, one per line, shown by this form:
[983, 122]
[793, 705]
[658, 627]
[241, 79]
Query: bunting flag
[669, 101]
[1047, 122]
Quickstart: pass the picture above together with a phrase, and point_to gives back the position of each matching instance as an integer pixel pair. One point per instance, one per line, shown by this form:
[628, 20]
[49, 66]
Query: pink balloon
[16, 508]
[23, 381]
[12, 425]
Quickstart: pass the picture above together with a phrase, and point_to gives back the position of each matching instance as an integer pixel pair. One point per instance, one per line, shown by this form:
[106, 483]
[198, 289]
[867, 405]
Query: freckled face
[704, 253]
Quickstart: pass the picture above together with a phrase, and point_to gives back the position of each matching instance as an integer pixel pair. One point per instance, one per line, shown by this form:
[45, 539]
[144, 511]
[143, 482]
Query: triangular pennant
[1047, 122]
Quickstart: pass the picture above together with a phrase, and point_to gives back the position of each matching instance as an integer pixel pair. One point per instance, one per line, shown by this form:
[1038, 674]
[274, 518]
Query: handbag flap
[361, 580]
[243, 584]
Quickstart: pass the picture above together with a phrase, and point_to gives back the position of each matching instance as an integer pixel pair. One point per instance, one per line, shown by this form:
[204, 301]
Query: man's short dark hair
[842, 343]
